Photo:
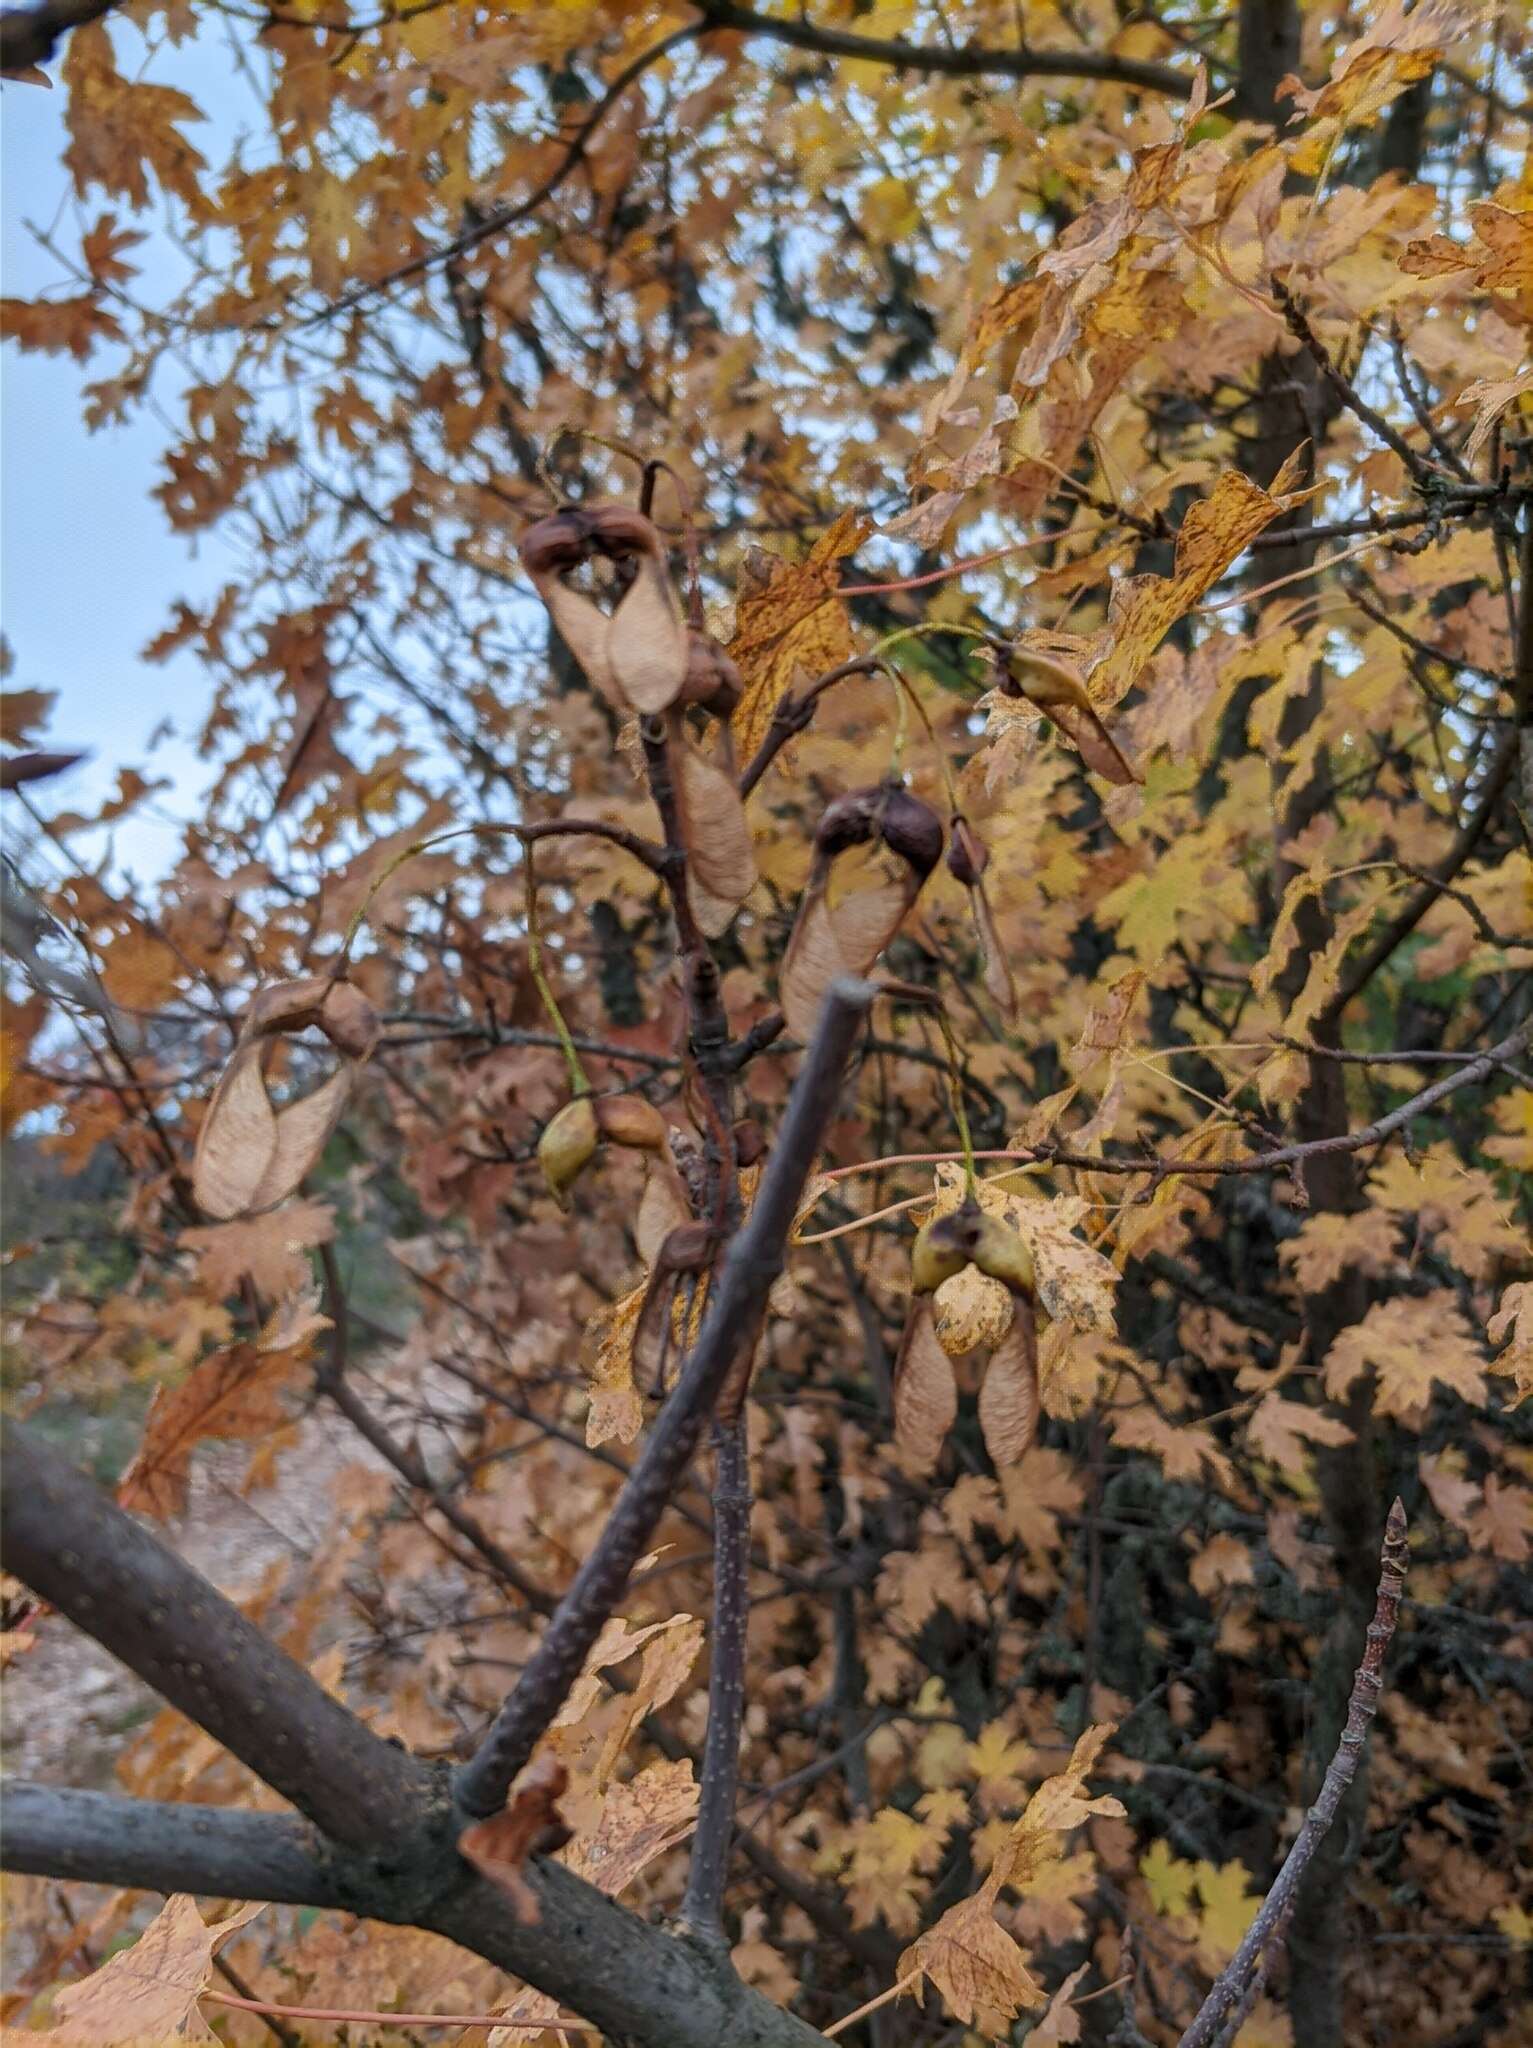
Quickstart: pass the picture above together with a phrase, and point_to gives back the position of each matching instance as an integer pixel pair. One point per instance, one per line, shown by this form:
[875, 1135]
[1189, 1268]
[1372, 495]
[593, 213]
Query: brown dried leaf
[499, 1847]
[1008, 1395]
[925, 1390]
[268, 1248]
[147, 1995]
[979, 1970]
[231, 1394]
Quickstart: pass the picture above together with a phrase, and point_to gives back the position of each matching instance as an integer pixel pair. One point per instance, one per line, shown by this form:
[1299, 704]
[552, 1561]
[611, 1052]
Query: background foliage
[1190, 347]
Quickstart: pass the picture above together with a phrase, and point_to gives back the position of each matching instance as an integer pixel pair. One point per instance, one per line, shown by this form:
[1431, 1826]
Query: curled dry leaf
[1008, 1394]
[250, 1154]
[531, 1825]
[721, 861]
[1061, 694]
[925, 1390]
[148, 1992]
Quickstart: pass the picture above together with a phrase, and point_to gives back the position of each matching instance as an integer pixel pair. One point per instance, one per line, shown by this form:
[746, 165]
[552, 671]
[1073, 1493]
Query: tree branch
[151, 1845]
[701, 1911]
[973, 61]
[29, 35]
[76, 1548]
[1405, 921]
[1366, 1687]
[736, 1306]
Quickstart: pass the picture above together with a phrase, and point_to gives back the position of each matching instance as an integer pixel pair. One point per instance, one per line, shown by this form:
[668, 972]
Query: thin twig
[1233, 1981]
[701, 1907]
[736, 1306]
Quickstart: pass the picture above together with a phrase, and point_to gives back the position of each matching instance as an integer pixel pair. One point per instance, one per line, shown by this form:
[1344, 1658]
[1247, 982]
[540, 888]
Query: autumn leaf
[790, 628]
[147, 1995]
[531, 1824]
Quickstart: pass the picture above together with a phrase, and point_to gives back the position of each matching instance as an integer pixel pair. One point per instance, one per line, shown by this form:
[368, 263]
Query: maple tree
[854, 983]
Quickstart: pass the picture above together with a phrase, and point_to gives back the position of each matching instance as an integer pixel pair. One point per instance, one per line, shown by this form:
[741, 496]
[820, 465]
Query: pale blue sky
[89, 566]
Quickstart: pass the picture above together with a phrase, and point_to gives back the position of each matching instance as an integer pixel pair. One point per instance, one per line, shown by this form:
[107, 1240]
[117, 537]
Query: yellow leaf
[1170, 1880]
[1410, 1344]
[1227, 1911]
[791, 627]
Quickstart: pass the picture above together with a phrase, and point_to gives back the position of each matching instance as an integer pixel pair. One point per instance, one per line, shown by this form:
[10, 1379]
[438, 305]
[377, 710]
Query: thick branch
[1361, 1708]
[973, 61]
[630, 1979]
[98, 1838]
[75, 1547]
[735, 1310]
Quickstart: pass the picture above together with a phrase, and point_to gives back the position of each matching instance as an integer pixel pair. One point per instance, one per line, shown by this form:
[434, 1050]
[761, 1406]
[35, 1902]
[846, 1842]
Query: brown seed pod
[636, 654]
[850, 819]
[567, 1147]
[552, 545]
[1008, 1395]
[967, 854]
[630, 1120]
[856, 899]
[619, 532]
[712, 681]
[912, 829]
[250, 1154]
[925, 1387]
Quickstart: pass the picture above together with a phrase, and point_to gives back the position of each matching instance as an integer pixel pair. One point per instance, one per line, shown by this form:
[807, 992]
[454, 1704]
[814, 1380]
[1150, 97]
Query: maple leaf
[790, 627]
[234, 1393]
[1226, 1912]
[147, 1994]
[1279, 1430]
[71, 326]
[979, 1969]
[117, 129]
[268, 1248]
[1170, 1880]
[1144, 608]
[1411, 1345]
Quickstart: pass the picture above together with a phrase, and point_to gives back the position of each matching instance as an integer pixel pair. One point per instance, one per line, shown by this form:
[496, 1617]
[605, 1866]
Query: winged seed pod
[637, 656]
[721, 858]
[1061, 694]
[572, 1138]
[925, 1386]
[250, 1154]
[873, 850]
